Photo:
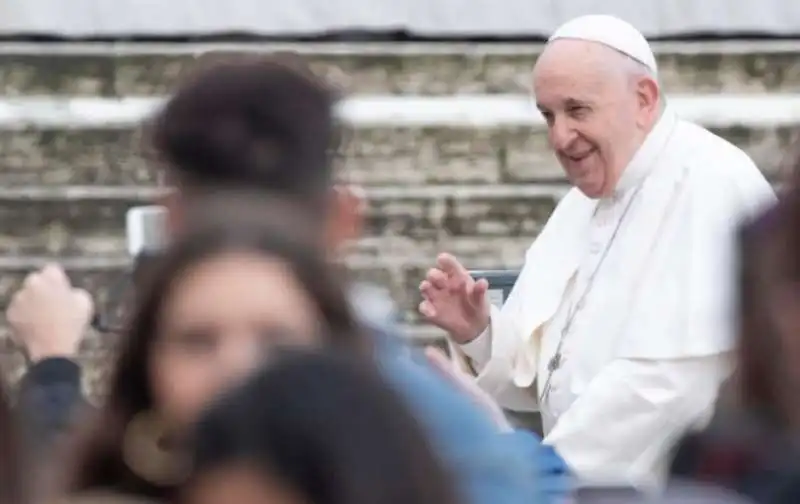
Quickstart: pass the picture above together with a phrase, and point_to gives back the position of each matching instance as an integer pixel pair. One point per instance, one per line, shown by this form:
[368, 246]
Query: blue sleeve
[49, 397]
[488, 468]
[553, 477]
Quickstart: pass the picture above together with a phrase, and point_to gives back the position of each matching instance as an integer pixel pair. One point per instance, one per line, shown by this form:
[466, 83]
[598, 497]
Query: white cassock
[635, 294]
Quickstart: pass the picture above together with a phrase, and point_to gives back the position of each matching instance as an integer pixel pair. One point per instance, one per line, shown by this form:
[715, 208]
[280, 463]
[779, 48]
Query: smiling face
[599, 106]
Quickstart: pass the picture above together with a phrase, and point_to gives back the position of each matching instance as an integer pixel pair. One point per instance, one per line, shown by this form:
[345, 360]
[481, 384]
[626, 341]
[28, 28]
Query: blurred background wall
[424, 18]
[444, 138]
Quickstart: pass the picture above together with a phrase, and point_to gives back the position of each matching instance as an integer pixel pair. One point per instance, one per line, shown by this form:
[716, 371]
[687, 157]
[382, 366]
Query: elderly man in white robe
[619, 327]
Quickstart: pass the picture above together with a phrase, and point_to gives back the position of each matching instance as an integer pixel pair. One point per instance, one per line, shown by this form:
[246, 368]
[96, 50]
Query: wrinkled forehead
[576, 69]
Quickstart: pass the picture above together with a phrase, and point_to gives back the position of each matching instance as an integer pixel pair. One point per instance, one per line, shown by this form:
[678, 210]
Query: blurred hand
[454, 301]
[48, 317]
[466, 384]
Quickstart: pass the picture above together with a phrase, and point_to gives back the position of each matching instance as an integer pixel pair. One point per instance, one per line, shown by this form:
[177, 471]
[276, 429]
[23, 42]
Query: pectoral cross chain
[554, 363]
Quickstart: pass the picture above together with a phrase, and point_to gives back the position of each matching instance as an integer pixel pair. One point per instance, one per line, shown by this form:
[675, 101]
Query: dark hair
[99, 462]
[328, 427]
[263, 121]
[14, 454]
[766, 380]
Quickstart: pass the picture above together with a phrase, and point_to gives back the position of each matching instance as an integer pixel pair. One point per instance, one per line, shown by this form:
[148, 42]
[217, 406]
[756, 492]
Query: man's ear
[345, 219]
[649, 94]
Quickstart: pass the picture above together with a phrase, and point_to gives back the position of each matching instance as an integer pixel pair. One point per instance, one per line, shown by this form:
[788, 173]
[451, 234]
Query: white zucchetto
[612, 32]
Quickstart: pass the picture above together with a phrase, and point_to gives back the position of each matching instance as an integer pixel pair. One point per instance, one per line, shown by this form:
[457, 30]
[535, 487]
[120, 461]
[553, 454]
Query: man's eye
[578, 111]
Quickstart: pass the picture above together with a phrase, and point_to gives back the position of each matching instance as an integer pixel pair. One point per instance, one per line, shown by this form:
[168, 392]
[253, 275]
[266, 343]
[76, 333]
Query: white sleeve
[626, 421]
[479, 350]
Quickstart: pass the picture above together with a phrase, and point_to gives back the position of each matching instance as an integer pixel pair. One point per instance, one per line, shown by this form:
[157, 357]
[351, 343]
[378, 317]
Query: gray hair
[635, 69]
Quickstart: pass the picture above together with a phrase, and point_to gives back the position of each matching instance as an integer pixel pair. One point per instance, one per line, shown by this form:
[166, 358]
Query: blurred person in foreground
[751, 446]
[15, 480]
[618, 327]
[674, 493]
[267, 124]
[318, 428]
[48, 318]
[106, 498]
[212, 309]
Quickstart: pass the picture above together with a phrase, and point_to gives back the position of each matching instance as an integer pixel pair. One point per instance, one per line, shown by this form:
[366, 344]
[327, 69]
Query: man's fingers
[450, 265]
[425, 288]
[437, 278]
[441, 363]
[475, 292]
[438, 358]
[427, 291]
[478, 294]
[427, 310]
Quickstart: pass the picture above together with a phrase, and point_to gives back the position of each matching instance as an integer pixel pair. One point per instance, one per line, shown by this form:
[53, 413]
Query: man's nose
[562, 134]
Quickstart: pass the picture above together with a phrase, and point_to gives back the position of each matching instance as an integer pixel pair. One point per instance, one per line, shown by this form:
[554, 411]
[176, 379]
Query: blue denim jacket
[554, 482]
[489, 467]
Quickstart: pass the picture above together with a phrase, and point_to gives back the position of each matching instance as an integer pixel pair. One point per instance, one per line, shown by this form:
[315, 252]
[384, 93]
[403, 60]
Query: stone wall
[482, 193]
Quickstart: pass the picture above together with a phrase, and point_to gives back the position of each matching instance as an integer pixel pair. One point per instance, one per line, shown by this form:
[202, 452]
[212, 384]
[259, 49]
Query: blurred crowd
[249, 370]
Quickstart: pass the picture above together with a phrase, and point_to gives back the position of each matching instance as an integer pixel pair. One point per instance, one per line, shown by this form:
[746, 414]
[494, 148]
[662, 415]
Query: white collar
[645, 158]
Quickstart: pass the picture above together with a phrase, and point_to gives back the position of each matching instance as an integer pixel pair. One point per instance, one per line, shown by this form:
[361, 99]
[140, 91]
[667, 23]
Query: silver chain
[555, 362]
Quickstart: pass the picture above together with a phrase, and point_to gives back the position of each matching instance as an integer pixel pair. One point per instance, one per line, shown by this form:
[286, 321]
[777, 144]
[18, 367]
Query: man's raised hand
[453, 300]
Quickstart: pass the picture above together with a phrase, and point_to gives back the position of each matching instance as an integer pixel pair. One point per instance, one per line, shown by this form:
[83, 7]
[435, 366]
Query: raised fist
[47, 315]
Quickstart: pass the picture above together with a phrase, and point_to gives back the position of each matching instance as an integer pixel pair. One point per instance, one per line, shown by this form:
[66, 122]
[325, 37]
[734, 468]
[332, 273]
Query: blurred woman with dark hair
[212, 309]
[318, 428]
[752, 444]
[267, 123]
